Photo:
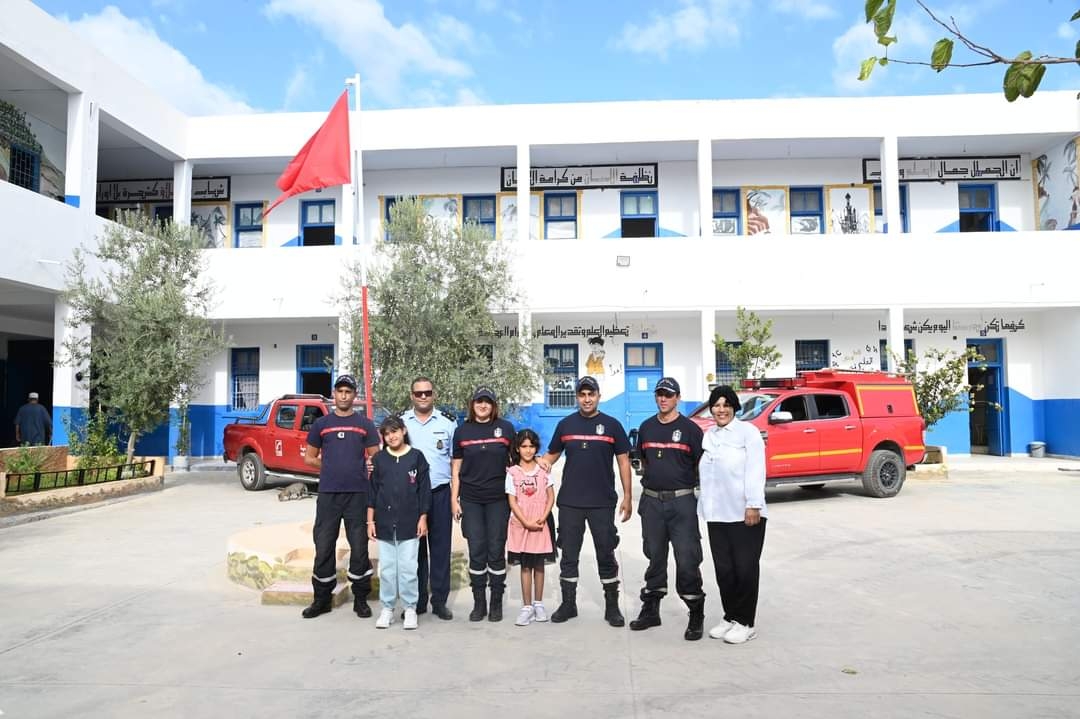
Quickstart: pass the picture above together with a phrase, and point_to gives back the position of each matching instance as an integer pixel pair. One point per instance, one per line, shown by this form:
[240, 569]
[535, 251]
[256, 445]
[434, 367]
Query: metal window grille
[561, 362]
[25, 168]
[811, 355]
[725, 370]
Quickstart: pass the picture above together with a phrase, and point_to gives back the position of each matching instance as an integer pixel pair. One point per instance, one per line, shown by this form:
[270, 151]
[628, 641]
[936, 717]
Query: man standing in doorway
[338, 445]
[670, 450]
[591, 440]
[432, 432]
[33, 425]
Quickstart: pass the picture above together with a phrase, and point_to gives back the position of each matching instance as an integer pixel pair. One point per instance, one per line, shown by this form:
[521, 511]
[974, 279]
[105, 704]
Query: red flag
[323, 161]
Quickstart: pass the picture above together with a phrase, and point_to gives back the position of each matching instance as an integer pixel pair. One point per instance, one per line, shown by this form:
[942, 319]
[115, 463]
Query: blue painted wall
[1062, 433]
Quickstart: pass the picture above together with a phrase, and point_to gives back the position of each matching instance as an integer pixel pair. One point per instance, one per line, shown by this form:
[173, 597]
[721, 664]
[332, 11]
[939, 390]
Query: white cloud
[1065, 31]
[695, 25]
[808, 9]
[385, 54]
[136, 46]
[859, 42]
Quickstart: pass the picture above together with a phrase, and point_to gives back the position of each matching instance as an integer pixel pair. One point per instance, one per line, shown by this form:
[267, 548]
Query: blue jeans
[397, 572]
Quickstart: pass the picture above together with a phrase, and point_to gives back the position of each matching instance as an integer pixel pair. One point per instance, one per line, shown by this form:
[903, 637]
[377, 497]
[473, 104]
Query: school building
[855, 224]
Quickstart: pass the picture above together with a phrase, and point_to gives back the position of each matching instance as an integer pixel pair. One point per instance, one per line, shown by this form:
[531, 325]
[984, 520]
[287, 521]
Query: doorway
[644, 365]
[987, 421]
[313, 364]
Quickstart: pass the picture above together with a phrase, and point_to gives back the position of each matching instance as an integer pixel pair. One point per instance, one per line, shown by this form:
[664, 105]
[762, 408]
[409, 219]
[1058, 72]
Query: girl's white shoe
[539, 613]
[386, 618]
[739, 634]
[525, 617]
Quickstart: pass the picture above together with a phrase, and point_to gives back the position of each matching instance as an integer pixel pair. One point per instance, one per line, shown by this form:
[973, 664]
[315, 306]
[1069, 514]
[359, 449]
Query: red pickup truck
[273, 443]
[833, 425]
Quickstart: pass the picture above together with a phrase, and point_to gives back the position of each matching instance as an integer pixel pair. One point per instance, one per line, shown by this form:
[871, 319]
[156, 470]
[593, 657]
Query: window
[560, 216]
[830, 406]
[796, 405]
[249, 225]
[879, 210]
[245, 377]
[725, 212]
[639, 214]
[807, 213]
[560, 375]
[978, 208]
[25, 169]
[480, 210]
[811, 355]
[313, 363]
[311, 413]
[317, 223]
[883, 347]
[725, 370]
[286, 416]
[163, 213]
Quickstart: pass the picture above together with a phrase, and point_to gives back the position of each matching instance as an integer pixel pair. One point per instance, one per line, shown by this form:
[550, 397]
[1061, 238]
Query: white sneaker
[739, 634]
[386, 618]
[721, 629]
[539, 613]
[525, 617]
[410, 619]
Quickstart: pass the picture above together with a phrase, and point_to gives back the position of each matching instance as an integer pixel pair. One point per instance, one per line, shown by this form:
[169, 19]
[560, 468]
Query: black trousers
[672, 522]
[605, 536]
[331, 509]
[484, 526]
[736, 550]
[433, 562]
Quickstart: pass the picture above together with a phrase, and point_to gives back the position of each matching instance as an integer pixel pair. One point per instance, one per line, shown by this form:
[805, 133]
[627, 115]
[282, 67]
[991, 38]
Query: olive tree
[752, 354]
[146, 302]
[434, 291]
[940, 380]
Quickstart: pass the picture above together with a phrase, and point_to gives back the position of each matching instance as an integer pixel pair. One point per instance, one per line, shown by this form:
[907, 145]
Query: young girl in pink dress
[529, 538]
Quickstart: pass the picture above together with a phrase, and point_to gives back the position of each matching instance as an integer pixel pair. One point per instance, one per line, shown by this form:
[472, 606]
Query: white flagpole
[356, 165]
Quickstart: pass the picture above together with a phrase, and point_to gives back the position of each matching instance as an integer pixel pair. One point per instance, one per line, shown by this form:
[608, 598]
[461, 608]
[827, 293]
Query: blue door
[988, 411]
[644, 366]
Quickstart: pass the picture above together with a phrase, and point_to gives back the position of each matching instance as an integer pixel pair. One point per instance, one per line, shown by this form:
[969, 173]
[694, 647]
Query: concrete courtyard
[958, 598]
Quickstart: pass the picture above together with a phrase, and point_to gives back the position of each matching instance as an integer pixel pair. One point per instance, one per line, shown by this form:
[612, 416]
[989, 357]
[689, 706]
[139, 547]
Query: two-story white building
[855, 224]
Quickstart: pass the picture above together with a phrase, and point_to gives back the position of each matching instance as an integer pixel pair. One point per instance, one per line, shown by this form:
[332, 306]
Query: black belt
[666, 495]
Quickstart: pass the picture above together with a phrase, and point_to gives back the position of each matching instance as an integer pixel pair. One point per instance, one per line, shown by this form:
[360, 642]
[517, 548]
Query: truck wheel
[252, 473]
[884, 474]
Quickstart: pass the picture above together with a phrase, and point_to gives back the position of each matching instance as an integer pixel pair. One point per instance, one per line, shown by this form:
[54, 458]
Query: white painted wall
[1060, 349]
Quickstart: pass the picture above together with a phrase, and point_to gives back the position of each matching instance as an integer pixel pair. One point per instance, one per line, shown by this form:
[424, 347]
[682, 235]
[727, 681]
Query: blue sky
[273, 55]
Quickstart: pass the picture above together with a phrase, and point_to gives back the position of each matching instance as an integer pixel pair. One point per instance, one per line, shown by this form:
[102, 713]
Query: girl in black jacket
[399, 502]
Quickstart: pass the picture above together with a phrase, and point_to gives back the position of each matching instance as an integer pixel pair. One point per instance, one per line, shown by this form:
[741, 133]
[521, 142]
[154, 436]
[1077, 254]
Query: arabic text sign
[202, 188]
[945, 169]
[585, 176]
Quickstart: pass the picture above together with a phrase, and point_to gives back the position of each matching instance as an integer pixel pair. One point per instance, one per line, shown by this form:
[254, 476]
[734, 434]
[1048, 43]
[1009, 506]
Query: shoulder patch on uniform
[449, 416]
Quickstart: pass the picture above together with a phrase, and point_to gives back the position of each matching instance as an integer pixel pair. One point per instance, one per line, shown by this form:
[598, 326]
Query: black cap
[345, 380]
[484, 392]
[667, 384]
[587, 382]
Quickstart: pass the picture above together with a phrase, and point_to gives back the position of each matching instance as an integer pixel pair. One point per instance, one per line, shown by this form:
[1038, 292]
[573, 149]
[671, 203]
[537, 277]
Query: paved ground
[956, 599]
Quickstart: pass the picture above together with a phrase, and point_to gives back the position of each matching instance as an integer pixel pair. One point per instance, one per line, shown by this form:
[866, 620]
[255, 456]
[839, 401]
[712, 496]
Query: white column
[890, 183]
[70, 395]
[524, 217]
[705, 185]
[181, 207]
[80, 169]
[896, 335]
[708, 353]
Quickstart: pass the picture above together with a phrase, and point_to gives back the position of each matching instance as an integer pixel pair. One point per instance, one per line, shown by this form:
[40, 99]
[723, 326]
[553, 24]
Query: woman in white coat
[732, 503]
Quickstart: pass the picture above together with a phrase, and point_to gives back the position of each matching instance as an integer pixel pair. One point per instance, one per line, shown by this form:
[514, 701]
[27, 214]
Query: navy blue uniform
[484, 451]
[668, 506]
[343, 490]
[400, 493]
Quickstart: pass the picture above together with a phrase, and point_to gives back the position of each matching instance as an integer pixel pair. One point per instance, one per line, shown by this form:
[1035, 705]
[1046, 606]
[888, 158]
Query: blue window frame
[640, 213]
[811, 355]
[313, 365]
[480, 210]
[726, 212]
[25, 168]
[725, 370]
[317, 223]
[978, 208]
[244, 382]
[560, 376]
[807, 210]
[249, 224]
[879, 210]
[883, 352]
[560, 216]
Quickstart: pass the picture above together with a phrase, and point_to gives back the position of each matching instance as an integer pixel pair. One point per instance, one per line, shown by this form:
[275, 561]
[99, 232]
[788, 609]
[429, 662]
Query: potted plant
[183, 438]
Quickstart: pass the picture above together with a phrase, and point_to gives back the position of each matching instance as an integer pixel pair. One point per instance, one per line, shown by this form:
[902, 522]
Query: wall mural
[18, 138]
[1057, 187]
[849, 209]
[212, 220]
[506, 226]
[766, 210]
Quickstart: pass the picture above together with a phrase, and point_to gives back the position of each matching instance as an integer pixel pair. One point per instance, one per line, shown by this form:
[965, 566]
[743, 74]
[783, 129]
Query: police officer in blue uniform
[591, 440]
[432, 432]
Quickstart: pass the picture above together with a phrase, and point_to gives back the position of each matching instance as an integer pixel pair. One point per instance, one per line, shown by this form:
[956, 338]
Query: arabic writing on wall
[559, 331]
[202, 188]
[864, 358]
[938, 169]
[995, 325]
[584, 176]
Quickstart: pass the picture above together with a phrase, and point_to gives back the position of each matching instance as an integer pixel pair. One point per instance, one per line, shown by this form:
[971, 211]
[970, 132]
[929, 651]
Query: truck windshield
[753, 404]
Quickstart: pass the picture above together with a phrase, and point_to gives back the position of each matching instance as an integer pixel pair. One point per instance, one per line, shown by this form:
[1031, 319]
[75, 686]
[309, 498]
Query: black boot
[495, 613]
[321, 605]
[612, 615]
[650, 613]
[694, 627]
[360, 606]
[568, 608]
[479, 595]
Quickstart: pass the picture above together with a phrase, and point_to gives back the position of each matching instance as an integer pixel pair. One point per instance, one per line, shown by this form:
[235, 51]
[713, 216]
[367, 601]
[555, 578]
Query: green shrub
[94, 442]
[26, 460]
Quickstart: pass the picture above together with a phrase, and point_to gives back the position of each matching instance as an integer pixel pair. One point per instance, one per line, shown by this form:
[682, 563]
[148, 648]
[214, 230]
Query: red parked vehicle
[833, 425]
[273, 443]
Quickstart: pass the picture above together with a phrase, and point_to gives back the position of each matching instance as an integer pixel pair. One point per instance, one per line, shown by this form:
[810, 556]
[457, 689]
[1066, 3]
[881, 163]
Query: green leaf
[883, 61]
[1077, 50]
[883, 19]
[872, 7]
[941, 56]
[866, 68]
[886, 40]
[1075, 15]
[1033, 75]
[1022, 57]
[1011, 84]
